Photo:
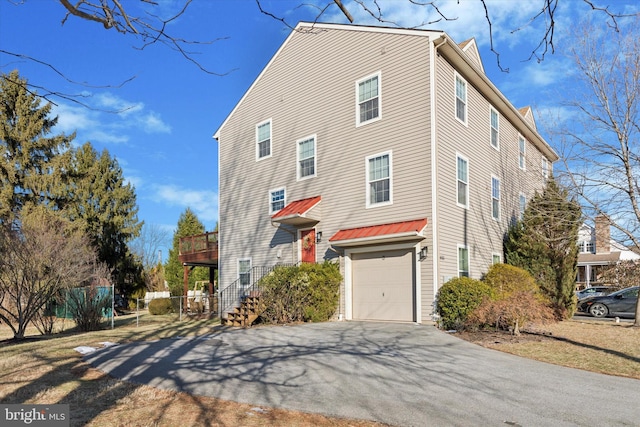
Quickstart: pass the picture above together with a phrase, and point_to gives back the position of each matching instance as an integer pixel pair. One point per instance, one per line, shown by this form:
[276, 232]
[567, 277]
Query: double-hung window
[496, 258]
[461, 99]
[463, 261]
[523, 205]
[244, 271]
[307, 157]
[276, 200]
[463, 181]
[545, 169]
[368, 99]
[495, 198]
[378, 169]
[495, 126]
[522, 144]
[263, 140]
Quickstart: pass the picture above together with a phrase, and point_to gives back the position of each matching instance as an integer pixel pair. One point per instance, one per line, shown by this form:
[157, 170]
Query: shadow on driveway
[400, 374]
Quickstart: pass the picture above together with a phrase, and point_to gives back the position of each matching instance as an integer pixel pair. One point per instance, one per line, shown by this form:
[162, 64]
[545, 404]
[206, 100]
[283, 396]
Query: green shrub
[160, 306]
[506, 279]
[458, 298]
[305, 293]
[133, 298]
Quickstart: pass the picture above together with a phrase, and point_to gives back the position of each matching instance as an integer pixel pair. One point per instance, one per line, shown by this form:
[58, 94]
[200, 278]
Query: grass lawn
[48, 370]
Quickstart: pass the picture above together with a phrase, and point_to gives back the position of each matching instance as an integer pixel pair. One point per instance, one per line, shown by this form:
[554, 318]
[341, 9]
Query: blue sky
[162, 138]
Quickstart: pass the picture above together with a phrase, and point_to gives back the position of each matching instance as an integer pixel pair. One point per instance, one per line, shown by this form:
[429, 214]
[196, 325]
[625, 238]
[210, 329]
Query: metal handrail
[232, 296]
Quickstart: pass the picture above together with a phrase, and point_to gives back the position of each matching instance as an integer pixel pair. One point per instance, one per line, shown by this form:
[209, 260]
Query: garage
[383, 285]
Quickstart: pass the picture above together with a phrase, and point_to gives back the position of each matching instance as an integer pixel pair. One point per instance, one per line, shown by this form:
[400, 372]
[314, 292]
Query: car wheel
[598, 310]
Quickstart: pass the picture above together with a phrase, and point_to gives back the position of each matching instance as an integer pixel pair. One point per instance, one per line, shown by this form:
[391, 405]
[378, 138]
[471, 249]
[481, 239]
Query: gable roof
[395, 231]
[462, 58]
[311, 27]
[471, 49]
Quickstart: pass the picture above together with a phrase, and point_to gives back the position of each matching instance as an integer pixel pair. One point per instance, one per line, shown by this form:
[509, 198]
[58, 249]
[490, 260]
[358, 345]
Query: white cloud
[108, 119]
[152, 123]
[203, 203]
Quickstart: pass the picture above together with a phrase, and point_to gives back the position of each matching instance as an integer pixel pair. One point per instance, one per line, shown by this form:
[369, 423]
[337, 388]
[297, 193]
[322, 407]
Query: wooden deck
[199, 250]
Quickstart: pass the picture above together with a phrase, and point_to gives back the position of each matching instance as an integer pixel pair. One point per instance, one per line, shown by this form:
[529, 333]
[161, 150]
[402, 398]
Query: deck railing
[198, 243]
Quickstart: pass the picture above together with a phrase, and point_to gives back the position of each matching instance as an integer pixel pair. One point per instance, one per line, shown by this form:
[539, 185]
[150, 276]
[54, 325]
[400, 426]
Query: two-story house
[599, 251]
[386, 150]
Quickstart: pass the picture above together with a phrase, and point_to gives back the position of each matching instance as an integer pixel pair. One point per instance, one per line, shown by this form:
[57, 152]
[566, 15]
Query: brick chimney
[603, 234]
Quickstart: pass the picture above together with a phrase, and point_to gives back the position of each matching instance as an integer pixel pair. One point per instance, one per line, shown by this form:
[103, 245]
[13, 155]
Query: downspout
[434, 174]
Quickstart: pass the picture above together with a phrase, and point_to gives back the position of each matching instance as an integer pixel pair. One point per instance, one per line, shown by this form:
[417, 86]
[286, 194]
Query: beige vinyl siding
[475, 227]
[309, 88]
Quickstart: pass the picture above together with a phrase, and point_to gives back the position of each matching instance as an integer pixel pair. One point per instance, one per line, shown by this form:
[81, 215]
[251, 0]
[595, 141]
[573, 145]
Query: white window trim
[496, 254]
[315, 157]
[458, 155]
[257, 143]
[520, 208]
[522, 166]
[367, 183]
[466, 99]
[545, 169]
[493, 177]
[271, 211]
[358, 122]
[460, 246]
[238, 268]
[496, 147]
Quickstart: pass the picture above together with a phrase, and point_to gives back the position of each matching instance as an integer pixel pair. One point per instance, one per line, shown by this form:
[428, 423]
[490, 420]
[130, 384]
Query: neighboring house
[386, 150]
[598, 251]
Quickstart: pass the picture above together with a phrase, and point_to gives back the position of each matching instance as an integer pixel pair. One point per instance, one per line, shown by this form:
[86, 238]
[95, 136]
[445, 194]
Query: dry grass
[604, 347]
[48, 370]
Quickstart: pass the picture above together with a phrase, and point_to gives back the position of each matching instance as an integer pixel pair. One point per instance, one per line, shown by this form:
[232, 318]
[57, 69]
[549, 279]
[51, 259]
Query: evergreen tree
[188, 225]
[545, 243]
[32, 161]
[104, 207]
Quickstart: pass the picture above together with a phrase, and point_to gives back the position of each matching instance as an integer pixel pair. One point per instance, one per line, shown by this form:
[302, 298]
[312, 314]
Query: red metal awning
[299, 212]
[382, 233]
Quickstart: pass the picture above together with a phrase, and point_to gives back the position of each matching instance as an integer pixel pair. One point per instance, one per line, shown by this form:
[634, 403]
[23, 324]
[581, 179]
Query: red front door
[308, 239]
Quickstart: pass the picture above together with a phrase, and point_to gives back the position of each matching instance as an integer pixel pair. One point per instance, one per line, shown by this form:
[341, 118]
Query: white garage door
[383, 285]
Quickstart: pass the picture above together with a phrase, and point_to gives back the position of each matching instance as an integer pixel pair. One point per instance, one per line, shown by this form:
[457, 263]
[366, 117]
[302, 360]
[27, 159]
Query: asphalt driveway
[401, 374]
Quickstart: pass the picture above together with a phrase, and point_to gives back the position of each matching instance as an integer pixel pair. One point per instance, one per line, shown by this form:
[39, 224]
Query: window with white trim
[462, 171]
[307, 157]
[496, 258]
[495, 127]
[523, 205]
[277, 200]
[378, 169]
[522, 144]
[263, 139]
[244, 271]
[461, 99]
[368, 99]
[545, 169]
[495, 198]
[463, 261]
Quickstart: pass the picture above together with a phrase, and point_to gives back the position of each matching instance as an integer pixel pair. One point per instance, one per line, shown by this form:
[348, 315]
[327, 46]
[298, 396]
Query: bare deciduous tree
[547, 14]
[146, 247]
[600, 143]
[42, 258]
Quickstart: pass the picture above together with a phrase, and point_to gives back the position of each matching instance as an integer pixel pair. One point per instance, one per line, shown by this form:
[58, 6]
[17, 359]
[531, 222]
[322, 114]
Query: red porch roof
[296, 212]
[395, 231]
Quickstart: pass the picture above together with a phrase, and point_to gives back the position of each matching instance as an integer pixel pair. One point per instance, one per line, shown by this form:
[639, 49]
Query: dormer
[471, 49]
[527, 113]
